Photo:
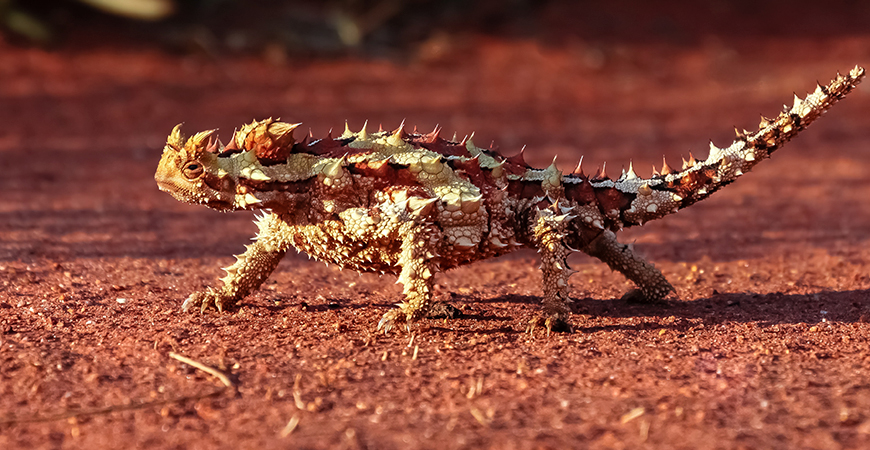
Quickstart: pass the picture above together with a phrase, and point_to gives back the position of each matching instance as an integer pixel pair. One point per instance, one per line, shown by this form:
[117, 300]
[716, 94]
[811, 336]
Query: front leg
[417, 274]
[549, 234]
[250, 269]
[652, 285]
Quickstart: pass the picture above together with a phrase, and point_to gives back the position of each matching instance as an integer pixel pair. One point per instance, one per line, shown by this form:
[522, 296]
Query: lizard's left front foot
[209, 298]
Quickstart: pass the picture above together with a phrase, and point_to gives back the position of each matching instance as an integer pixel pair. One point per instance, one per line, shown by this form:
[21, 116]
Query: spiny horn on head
[199, 139]
[175, 139]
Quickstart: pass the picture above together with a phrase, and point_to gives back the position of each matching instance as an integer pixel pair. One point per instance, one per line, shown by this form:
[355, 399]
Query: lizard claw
[389, 320]
[205, 300]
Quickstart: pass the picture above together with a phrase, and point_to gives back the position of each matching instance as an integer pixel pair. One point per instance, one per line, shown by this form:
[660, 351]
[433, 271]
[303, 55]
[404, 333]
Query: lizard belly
[353, 240]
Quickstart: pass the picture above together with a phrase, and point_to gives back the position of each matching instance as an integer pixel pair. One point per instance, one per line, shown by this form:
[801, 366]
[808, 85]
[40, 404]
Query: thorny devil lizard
[415, 204]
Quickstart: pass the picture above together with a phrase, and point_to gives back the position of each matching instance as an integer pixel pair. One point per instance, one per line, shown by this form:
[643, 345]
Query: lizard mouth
[193, 198]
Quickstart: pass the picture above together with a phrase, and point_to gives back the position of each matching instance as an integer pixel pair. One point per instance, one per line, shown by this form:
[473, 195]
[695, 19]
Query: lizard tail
[671, 190]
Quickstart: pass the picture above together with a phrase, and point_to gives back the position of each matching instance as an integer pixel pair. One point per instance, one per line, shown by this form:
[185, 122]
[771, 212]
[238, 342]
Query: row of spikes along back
[272, 142]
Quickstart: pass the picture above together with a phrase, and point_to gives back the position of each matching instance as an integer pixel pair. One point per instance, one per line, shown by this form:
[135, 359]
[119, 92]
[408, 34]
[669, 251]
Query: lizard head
[201, 170]
[190, 171]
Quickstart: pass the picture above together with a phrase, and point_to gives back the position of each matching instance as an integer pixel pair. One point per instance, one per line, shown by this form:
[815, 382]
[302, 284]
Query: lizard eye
[192, 169]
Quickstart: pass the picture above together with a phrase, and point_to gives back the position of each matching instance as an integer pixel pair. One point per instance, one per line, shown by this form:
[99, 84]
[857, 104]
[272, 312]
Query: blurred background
[89, 89]
[395, 28]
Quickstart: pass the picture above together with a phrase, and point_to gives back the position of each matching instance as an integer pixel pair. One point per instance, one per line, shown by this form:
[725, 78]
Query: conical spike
[334, 170]
[764, 122]
[797, 101]
[363, 134]
[666, 169]
[435, 135]
[518, 158]
[282, 129]
[233, 145]
[685, 163]
[468, 140]
[197, 140]
[401, 130]
[655, 172]
[579, 169]
[630, 175]
[175, 138]
[601, 173]
[397, 138]
[692, 160]
[380, 128]
[213, 145]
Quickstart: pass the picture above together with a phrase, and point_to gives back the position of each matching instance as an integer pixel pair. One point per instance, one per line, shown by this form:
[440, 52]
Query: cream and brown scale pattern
[414, 204]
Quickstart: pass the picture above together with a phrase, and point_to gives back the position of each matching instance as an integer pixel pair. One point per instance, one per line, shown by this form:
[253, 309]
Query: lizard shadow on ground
[446, 311]
[773, 308]
[315, 307]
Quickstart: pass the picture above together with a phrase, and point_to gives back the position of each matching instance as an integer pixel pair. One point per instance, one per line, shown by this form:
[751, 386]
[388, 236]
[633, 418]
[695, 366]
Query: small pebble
[121, 300]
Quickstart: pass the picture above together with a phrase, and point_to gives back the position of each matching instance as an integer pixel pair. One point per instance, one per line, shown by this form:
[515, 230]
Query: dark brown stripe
[292, 187]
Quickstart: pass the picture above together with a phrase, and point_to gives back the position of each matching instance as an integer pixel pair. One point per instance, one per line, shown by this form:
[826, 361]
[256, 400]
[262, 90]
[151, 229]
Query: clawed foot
[553, 322]
[638, 296]
[394, 317]
[207, 299]
[391, 320]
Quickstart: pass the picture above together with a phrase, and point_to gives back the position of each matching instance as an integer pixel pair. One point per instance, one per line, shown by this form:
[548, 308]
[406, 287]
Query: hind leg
[652, 285]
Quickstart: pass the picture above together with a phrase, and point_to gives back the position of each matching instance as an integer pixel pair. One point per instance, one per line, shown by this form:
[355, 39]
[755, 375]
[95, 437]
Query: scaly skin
[415, 204]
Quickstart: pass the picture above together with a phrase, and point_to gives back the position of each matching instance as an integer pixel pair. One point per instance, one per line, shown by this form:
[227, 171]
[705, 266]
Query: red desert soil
[766, 346]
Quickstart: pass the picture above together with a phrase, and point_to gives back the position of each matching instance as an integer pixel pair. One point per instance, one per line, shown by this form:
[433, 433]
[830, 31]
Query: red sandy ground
[766, 347]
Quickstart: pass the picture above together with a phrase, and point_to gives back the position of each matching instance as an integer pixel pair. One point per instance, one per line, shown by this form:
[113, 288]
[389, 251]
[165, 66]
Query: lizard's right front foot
[207, 299]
